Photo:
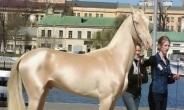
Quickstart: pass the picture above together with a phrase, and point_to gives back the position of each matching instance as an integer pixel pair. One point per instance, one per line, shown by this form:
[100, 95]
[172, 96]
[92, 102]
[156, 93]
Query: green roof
[177, 8]
[124, 5]
[57, 20]
[92, 4]
[173, 36]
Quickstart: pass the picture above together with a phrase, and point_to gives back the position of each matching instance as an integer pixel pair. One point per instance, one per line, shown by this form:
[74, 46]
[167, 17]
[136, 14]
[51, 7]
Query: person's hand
[176, 76]
[140, 60]
[141, 75]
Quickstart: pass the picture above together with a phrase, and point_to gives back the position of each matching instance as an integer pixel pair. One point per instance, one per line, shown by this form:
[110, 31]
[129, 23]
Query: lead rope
[139, 75]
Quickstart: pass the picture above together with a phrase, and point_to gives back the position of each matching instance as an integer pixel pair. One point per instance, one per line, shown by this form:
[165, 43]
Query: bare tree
[162, 17]
[102, 38]
[13, 27]
[3, 33]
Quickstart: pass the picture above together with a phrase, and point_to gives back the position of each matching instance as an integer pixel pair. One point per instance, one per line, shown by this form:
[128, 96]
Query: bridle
[138, 63]
[136, 29]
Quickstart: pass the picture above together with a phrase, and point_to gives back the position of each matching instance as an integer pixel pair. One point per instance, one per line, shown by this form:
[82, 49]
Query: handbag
[170, 79]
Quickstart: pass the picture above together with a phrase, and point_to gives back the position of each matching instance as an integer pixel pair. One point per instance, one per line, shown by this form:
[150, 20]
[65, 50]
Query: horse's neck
[123, 41]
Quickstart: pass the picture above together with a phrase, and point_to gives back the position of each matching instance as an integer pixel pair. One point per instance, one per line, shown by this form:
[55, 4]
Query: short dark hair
[138, 45]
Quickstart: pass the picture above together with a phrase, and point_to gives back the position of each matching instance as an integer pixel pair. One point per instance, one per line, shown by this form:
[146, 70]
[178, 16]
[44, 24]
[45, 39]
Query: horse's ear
[133, 11]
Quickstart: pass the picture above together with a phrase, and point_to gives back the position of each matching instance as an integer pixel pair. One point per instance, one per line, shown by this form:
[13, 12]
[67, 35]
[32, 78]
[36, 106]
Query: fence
[3, 87]
[5, 66]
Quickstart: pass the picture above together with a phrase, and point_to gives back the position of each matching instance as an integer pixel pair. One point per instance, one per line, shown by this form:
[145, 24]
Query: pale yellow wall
[127, 11]
[94, 11]
[65, 40]
[52, 1]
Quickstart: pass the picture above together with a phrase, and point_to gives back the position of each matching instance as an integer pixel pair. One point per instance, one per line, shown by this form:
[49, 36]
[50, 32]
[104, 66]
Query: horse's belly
[76, 86]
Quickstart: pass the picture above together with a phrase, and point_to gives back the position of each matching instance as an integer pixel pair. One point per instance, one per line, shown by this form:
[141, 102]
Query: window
[60, 33]
[49, 33]
[176, 51]
[85, 14]
[70, 34]
[172, 19]
[89, 34]
[1, 16]
[43, 33]
[69, 48]
[179, 19]
[176, 45]
[167, 28]
[36, 17]
[172, 28]
[41, 17]
[150, 18]
[179, 28]
[48, 45]
[88, 48]
[97, 15]
[74, 14]
[101, 15]
[60, 45]
[168, 19]
[9, 16]
[79, 34]
[43, 45]
[90, 15]
[78, 14]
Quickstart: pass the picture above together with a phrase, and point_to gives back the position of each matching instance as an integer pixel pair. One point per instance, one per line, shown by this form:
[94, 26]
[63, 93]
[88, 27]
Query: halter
[136, 29]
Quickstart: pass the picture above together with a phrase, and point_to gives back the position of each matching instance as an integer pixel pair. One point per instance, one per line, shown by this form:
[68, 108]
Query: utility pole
[155, 27]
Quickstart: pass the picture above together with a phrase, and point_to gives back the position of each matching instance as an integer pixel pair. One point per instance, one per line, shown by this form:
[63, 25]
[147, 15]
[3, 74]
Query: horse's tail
[15, 97]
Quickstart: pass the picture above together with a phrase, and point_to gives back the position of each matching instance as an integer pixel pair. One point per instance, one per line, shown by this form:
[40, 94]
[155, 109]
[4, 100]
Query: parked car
[177, 63]
[61, 49]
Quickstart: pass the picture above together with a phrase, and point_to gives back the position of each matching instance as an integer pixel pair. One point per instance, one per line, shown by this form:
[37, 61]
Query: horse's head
[141, 23]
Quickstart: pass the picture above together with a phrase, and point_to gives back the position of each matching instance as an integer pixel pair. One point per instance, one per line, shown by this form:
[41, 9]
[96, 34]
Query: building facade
[70, 32]
[107, 9]
[176, 46]
[23, 42]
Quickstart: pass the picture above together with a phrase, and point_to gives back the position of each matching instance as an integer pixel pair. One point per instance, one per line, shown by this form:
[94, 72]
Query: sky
[134, 2]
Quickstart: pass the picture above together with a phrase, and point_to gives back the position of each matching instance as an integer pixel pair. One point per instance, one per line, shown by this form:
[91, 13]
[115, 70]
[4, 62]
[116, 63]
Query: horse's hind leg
[43, 97]
[37, 99]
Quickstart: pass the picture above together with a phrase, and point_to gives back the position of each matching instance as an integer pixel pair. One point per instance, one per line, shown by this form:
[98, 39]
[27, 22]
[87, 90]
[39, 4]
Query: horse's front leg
[113, 104]
[105, 103]
[125, 83]
[108, 103]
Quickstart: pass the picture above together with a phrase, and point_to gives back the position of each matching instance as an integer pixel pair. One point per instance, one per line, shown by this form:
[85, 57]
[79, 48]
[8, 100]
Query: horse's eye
[136, 22]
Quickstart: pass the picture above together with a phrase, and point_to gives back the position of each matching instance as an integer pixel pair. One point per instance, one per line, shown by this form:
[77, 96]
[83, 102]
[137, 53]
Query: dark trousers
[151, 101]
[160, 101]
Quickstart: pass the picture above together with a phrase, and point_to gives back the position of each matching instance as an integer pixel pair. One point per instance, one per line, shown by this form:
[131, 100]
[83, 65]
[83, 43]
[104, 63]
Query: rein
[138, 63]
[139, 75]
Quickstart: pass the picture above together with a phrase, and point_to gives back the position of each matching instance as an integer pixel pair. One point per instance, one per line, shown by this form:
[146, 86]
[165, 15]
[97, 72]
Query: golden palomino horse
[99, 74]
